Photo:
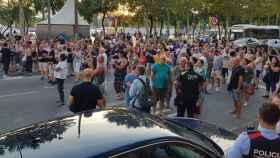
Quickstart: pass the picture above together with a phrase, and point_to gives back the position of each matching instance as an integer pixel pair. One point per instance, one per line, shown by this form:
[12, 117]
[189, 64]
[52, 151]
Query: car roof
[82, 135]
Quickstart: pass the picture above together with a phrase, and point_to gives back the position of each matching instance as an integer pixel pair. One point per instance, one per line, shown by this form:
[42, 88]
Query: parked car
[116, 133]
[248, 42]
[273, 43]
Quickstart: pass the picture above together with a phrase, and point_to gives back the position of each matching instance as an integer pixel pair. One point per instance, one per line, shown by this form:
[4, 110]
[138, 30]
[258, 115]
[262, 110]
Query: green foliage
[39, 5]
[87, 8]
[153, 12]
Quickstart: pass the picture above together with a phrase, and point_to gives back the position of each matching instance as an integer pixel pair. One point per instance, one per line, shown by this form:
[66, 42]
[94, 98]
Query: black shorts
[258, 73]
[224, 72]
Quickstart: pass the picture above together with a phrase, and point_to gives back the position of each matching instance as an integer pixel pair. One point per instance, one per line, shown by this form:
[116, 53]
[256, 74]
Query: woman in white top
[259, 67]
[60, 74]
[77, 60]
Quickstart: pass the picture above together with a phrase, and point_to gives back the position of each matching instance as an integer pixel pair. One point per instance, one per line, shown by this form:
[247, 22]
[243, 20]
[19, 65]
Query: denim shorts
[236, 96]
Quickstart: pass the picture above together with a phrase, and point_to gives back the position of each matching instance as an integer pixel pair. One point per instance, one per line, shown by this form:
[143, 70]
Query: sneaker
[236, 116]
[42, 78]
[265, 96]
[61, 104]
[217, 89]
[245, 104]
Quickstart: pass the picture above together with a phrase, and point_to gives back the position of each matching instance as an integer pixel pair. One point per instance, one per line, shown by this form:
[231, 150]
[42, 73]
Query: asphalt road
[27, 100]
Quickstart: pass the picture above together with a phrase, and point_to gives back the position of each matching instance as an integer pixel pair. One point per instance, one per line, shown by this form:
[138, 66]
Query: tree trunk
[151, 25]
[49, 20]
[161, 27]
[188, 24]
[21, 17]
[193, 32]
[277, 19]
[43, 10]
[76, 25]
[26, 25]
[219, 28]
[226, 28]
[103, 25]
[155, 30]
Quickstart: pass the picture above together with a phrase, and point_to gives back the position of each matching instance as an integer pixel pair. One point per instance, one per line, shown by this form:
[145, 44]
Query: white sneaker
[245, 104]
[217, 89]
[209, 88]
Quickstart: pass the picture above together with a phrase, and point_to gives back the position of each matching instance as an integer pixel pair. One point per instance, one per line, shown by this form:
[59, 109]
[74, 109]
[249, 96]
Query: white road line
[19, 78]
[13, 78]
[49, 87]
[18, 94]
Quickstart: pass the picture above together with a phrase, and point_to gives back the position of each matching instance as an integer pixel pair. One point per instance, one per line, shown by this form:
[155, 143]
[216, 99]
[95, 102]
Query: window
[166, 150]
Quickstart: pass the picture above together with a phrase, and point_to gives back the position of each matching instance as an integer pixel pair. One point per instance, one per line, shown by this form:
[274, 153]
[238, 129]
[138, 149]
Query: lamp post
[76, 25]
[49, 20]
[21, 17]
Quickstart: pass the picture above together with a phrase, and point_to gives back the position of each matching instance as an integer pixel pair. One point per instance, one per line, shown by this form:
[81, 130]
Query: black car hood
[220, 136]
[82, 135]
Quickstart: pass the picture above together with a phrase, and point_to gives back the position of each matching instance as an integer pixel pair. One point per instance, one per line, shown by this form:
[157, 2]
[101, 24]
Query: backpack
[145, 98]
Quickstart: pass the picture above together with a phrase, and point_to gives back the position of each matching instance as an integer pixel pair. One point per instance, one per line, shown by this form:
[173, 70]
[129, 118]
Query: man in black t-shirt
[188, 85]
[235, 85]
[85, 96]
[6, 58]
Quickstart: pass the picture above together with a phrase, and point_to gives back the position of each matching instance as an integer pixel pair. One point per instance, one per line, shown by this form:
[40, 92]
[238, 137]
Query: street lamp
[49, 20]
[76, 25]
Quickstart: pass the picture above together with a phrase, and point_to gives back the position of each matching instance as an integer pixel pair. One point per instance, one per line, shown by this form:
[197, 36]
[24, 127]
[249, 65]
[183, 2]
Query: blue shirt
[129, 78]
[242, 144]
[161, 74]
[135, 90]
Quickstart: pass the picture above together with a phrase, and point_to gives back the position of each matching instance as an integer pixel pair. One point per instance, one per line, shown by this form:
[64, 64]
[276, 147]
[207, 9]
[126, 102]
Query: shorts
[43, 65]
[224, 72]
[216, 73]
[160, 93]
[258, 73]
[149, 66]
[51, 70]
[201, 98]
[236, 96]
[70, 68]
[76, 66]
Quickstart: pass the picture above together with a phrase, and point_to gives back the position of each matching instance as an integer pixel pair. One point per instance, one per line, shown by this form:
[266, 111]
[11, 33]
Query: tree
[8, 14]
[88, 8]
[40, 6]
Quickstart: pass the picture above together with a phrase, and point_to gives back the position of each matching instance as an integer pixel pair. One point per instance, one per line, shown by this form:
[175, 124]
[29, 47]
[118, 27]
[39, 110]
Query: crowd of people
[151, 75]
[176, 72]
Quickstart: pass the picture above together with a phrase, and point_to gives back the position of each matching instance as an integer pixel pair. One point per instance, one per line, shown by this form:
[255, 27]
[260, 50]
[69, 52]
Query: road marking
[12, 78]
[18, 94]
[49, 87]
[19, 78]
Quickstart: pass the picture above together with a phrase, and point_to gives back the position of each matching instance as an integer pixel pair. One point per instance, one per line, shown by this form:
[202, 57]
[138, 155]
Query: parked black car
[116, 133]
